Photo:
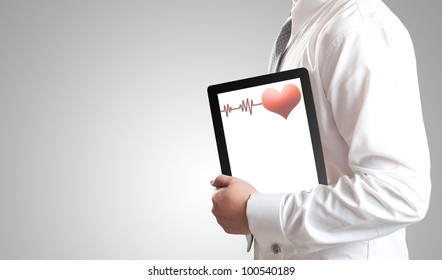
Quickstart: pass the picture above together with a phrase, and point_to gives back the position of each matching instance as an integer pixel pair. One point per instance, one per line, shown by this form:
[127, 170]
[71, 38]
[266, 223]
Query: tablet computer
[267, 132]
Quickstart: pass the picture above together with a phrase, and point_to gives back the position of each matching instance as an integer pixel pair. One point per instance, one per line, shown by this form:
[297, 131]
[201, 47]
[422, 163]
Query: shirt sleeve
[370, 80]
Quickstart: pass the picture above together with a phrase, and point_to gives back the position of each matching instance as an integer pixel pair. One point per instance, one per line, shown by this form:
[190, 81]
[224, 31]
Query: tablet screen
[267, 136]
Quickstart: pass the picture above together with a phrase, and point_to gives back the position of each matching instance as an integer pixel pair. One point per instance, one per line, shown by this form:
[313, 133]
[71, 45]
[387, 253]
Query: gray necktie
[280, 45]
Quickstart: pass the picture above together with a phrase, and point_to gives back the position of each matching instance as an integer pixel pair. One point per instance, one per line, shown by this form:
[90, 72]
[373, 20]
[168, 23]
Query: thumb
[221, 181]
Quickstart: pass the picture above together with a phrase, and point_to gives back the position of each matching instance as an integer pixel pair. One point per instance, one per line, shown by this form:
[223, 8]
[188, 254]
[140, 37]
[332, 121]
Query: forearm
[354, 209]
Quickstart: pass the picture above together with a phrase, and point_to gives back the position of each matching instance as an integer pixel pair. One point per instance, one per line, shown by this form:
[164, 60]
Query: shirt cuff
[264, 218]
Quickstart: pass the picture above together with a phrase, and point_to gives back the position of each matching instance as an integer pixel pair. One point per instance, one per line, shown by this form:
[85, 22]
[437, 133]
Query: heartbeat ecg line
[245, 106]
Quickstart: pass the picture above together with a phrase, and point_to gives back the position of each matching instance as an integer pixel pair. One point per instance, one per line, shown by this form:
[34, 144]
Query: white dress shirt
[363, 73]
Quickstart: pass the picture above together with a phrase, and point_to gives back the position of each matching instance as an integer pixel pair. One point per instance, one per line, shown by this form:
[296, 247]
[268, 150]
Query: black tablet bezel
[301, 73]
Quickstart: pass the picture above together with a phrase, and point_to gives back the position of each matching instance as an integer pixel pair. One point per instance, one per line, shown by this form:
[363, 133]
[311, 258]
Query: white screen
[271, 152]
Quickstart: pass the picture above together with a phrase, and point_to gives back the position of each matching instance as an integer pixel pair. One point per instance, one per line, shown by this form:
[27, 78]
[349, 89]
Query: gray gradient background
[106, 145]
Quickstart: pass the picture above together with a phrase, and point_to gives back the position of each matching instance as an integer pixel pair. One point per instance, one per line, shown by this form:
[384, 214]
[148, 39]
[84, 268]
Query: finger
[221, 181]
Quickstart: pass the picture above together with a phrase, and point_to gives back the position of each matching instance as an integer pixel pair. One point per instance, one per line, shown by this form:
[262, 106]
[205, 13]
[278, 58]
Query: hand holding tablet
[267, 132]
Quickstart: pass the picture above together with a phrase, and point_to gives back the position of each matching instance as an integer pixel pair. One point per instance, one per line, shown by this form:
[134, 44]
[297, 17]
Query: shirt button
[276, 249]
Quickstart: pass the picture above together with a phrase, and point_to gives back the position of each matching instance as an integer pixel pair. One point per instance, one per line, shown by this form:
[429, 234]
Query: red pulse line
[245, 106]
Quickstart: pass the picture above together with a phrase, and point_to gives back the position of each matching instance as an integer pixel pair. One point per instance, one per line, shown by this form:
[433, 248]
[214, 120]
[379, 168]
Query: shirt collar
[302, 11]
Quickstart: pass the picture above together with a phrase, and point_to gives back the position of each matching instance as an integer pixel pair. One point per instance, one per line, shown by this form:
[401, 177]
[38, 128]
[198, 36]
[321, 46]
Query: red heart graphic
[281, 103]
